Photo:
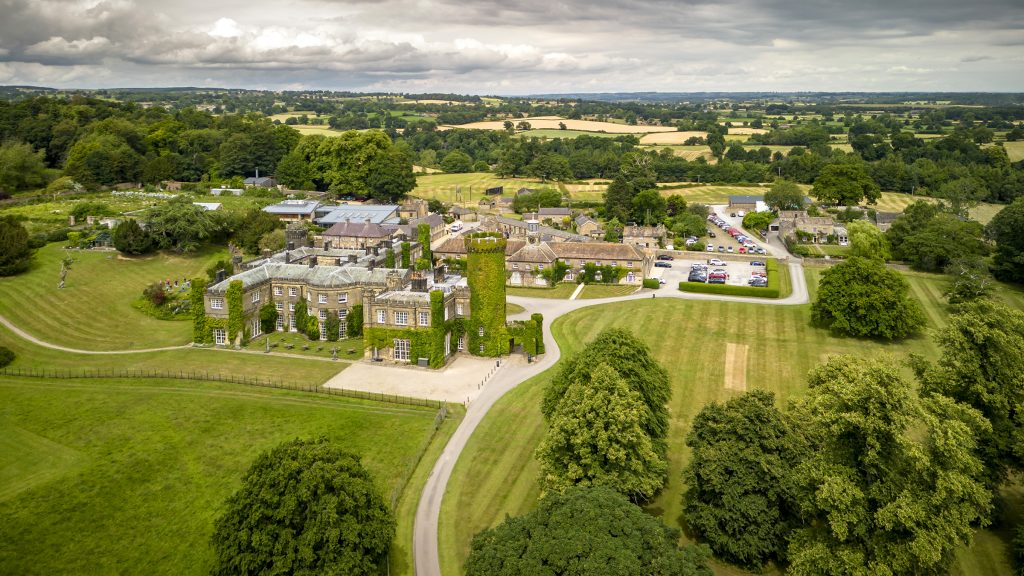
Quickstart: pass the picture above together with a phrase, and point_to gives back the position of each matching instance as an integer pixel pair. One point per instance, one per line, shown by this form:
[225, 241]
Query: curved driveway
[428, 512]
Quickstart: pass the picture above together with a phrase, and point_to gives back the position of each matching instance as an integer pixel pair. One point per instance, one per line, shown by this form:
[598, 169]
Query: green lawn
[279, 342]
[495, 477]
[127, 476]
[713, 194]
[556, 133]
[511, 309]
[606, 290]
[94, 310]
[561, 291]
[443, 186]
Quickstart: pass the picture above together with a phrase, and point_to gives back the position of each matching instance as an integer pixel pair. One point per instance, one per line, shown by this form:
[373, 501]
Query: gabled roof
[434, 220]
[596, 250]
[358, 230]
[583, 219]
[745, 199]
[554, 211]
[457, 245]
[536, 253]
[376, 213]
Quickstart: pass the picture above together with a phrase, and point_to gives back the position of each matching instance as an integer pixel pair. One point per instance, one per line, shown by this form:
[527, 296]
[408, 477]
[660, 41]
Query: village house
[464, 214]
[747, 204]
[555, 215]
[413, 208]
[512, 228]
[649, 237]
[360, 235]
[798, 226]
[294, 210]
[587, 226]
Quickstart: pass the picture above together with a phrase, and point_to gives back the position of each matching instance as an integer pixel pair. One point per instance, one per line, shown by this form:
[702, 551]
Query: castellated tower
[485, 272]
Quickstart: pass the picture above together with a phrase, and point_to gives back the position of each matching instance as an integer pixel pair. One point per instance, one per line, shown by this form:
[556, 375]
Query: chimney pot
[291, 245]
[220, 276]
[287, 257]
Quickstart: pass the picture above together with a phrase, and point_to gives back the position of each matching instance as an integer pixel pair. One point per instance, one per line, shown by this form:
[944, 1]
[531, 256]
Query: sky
[514, 47]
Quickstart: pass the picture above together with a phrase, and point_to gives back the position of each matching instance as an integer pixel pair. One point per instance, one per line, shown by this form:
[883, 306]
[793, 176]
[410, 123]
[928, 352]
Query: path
[428, 512]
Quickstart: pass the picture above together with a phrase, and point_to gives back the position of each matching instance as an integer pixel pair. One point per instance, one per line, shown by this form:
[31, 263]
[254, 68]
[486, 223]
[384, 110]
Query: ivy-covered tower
[485, 272]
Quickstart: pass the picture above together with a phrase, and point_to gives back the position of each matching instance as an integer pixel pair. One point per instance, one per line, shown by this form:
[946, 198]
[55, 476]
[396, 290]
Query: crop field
[443, 186]
[712, 194]
[319, 130]
[660, 138]
[121, 476]
[494, 478]
[552, 123]
[94, 309]
[898, 202]
[1015, 150]
[551, 134]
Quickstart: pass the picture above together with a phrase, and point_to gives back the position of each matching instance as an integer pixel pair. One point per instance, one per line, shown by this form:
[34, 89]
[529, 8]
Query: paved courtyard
[459, 382]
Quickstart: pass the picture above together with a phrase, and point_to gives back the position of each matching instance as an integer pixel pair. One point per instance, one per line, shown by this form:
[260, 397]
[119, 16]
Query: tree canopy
[584, 532]
[180, 225]
[130, 238]
[891, 483]
[740, 499]
[845, 185]
[305, 507]
[861, 297]
[15, 251]
[867, 241]
[1006, 229]
[596, 438]
[784, 195]
[21, 167]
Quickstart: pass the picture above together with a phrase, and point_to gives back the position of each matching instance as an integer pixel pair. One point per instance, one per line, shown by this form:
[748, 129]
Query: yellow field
[897, 202]
[321, 130]
[443, 186]
[747, 131]
[1015, 150]
[551, 123]
[670, 137]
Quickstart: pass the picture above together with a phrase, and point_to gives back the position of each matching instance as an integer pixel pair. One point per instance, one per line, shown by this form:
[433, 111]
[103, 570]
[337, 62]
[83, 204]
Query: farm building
[294, 210]
[644, 236]
[260, 182]
[328, 215]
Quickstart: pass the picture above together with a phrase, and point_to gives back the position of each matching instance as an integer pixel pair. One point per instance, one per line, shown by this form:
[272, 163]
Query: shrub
[354, 322]
[130, 238]
[652, 283]
[6, 356]
[155, 294]
[15, 252]
[332, 325]
[268, 317]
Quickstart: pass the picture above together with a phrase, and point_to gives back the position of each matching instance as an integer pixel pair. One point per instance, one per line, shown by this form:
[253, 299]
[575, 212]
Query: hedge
[652, 283]
[771, 291]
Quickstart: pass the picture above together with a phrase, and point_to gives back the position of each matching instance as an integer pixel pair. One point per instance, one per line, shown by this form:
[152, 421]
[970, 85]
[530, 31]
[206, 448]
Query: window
[481, 348]
[220, 337]
[322, 299]
[278, 291]
[256, 296]
[382, 317]
[280, 307]
[458, 308]
[424, 319]
[217, 303]
[280, 323]
[293, 292]
[342, 323]
[402, 318]
[480, 332]
[401, 349]
[631, 264]
[323, 314]
[323, 331]
[540, 267]
[515, 266]
[291, 306]
[462, 343]
[291, 323]
[256, 328]
[343, 298]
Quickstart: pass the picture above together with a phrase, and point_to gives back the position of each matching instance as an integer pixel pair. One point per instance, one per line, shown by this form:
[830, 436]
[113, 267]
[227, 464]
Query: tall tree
[180, 225]
[549, 166]
[305, 507]
[740, 499]
[1005, 228]
[891, 483]
[649, 207]
[861, 297]
[21, 167]
[867, 241]
[584, 532]
[130, 238]
[15, 251]
[784, 195]
[981, 364]
[633, 362]
[845, 185]
[596, 438]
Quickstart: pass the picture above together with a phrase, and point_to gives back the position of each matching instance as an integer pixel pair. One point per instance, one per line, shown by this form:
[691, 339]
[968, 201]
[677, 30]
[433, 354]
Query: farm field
[109, 476]
[713, 194]
[1015, 150]
[689, 338]
[442, 186]
[551, 134]
[898, 202]
[94, 310]
[551, 123]
[306, 130]
[677, 137]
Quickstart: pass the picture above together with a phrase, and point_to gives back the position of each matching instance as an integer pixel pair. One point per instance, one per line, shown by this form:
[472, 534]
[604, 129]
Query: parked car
[711, 247]
[743, 250]
[717, 262]
[711, 234]
[761, 251]
[758, 282]
[721, 248]
[729, 249]
[757, 263]
[716, 280]
[696, 277]
[732, 214]
[662, 264]
[665, 257]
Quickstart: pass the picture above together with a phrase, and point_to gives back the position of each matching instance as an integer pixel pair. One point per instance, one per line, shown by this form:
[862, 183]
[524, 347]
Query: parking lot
[739, 271]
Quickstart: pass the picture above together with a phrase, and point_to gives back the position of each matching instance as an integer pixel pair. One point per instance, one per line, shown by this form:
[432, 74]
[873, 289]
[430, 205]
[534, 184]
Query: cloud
[521, 46]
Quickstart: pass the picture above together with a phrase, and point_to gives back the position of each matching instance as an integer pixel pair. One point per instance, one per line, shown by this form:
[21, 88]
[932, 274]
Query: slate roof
[538, 253]
[596, 251]
[555, 211]
[360, 229]
[376, 213]
[317, 276]
[745, 199]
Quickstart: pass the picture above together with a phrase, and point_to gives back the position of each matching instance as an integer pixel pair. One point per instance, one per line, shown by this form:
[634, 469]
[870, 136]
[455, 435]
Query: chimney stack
[312, 261]
[267, 253]
[327, 245]
[287, 257]
[353, 258]
[219, 276]
[438, 274]
[370, 265]
[419, 284]
[291, 245]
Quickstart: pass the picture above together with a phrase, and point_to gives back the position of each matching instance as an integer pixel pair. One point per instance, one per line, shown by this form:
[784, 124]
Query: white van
[456, 226]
